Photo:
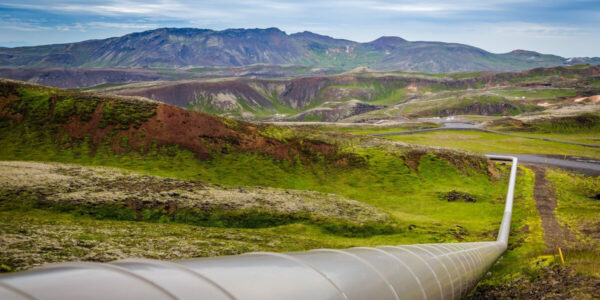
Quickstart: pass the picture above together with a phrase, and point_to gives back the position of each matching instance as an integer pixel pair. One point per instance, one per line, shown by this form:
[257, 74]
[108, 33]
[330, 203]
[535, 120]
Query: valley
[375, 97]
[98, 177]
[100, 164]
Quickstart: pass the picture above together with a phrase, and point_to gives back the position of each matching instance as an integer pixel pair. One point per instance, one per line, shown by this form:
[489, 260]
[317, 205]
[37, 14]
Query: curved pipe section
[424, 271]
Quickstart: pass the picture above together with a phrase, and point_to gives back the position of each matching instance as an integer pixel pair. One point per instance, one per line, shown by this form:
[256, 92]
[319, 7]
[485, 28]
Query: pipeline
[424, 271]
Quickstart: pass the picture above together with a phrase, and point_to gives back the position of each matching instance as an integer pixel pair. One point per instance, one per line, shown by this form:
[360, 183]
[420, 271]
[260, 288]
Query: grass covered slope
[53, 212]
[118, 195]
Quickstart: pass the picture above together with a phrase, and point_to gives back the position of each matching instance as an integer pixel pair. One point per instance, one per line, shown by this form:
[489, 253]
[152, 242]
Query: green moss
[279, 133]
[40, 105]
[34, 104]
[124, 113]
[45, 236]
[214, 217]
[229, 122]
[313, 118]
[584, 123]
[66, 108]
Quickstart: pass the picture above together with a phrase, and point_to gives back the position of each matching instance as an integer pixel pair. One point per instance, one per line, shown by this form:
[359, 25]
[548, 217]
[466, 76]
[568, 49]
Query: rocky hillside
[332, 98]
[185, 47]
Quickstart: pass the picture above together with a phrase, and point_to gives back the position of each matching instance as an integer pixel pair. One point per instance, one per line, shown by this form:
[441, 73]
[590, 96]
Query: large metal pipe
[424, 271]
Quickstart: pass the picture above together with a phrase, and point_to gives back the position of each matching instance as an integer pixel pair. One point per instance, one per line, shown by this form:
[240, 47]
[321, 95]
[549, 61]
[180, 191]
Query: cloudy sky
[564, 27]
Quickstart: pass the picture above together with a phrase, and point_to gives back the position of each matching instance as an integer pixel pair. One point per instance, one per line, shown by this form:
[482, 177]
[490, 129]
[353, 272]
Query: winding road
[581, 165]
[578, 165]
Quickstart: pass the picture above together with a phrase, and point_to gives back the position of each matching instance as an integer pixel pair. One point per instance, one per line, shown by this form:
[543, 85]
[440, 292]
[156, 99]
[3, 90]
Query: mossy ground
[578, 209]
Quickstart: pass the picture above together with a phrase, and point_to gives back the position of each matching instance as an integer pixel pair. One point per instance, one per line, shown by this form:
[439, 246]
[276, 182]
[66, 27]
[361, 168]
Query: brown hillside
[135, 123]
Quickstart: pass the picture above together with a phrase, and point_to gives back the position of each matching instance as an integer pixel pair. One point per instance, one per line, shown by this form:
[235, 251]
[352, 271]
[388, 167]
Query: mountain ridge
[194, 47]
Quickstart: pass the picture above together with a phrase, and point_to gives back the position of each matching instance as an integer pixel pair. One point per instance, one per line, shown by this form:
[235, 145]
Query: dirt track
[555, 235]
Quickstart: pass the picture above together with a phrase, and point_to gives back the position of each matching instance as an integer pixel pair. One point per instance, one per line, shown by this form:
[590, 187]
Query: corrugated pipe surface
[424, 271]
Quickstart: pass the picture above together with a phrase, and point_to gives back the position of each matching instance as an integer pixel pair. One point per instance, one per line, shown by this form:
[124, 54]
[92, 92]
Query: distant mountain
[189, 47]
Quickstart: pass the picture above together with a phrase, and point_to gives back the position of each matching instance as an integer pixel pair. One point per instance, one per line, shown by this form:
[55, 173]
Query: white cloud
[21, 25]
[121, 25]
[172, 9]
[440, 6]
[74, 27]
[534, 30]
[411, 8]
[98, 25]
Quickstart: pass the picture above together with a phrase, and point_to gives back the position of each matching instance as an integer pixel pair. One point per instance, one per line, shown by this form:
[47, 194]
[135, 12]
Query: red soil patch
[200, 133]
[6, 111]
[162, 125]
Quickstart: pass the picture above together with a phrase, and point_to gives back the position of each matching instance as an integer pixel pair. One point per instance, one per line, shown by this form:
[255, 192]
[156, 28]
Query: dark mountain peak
[170, 30]
[311, 38]
[195, 32]
[525, 52]
[387, 42]
[274, 29]
[251, 31]
[309, 34]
